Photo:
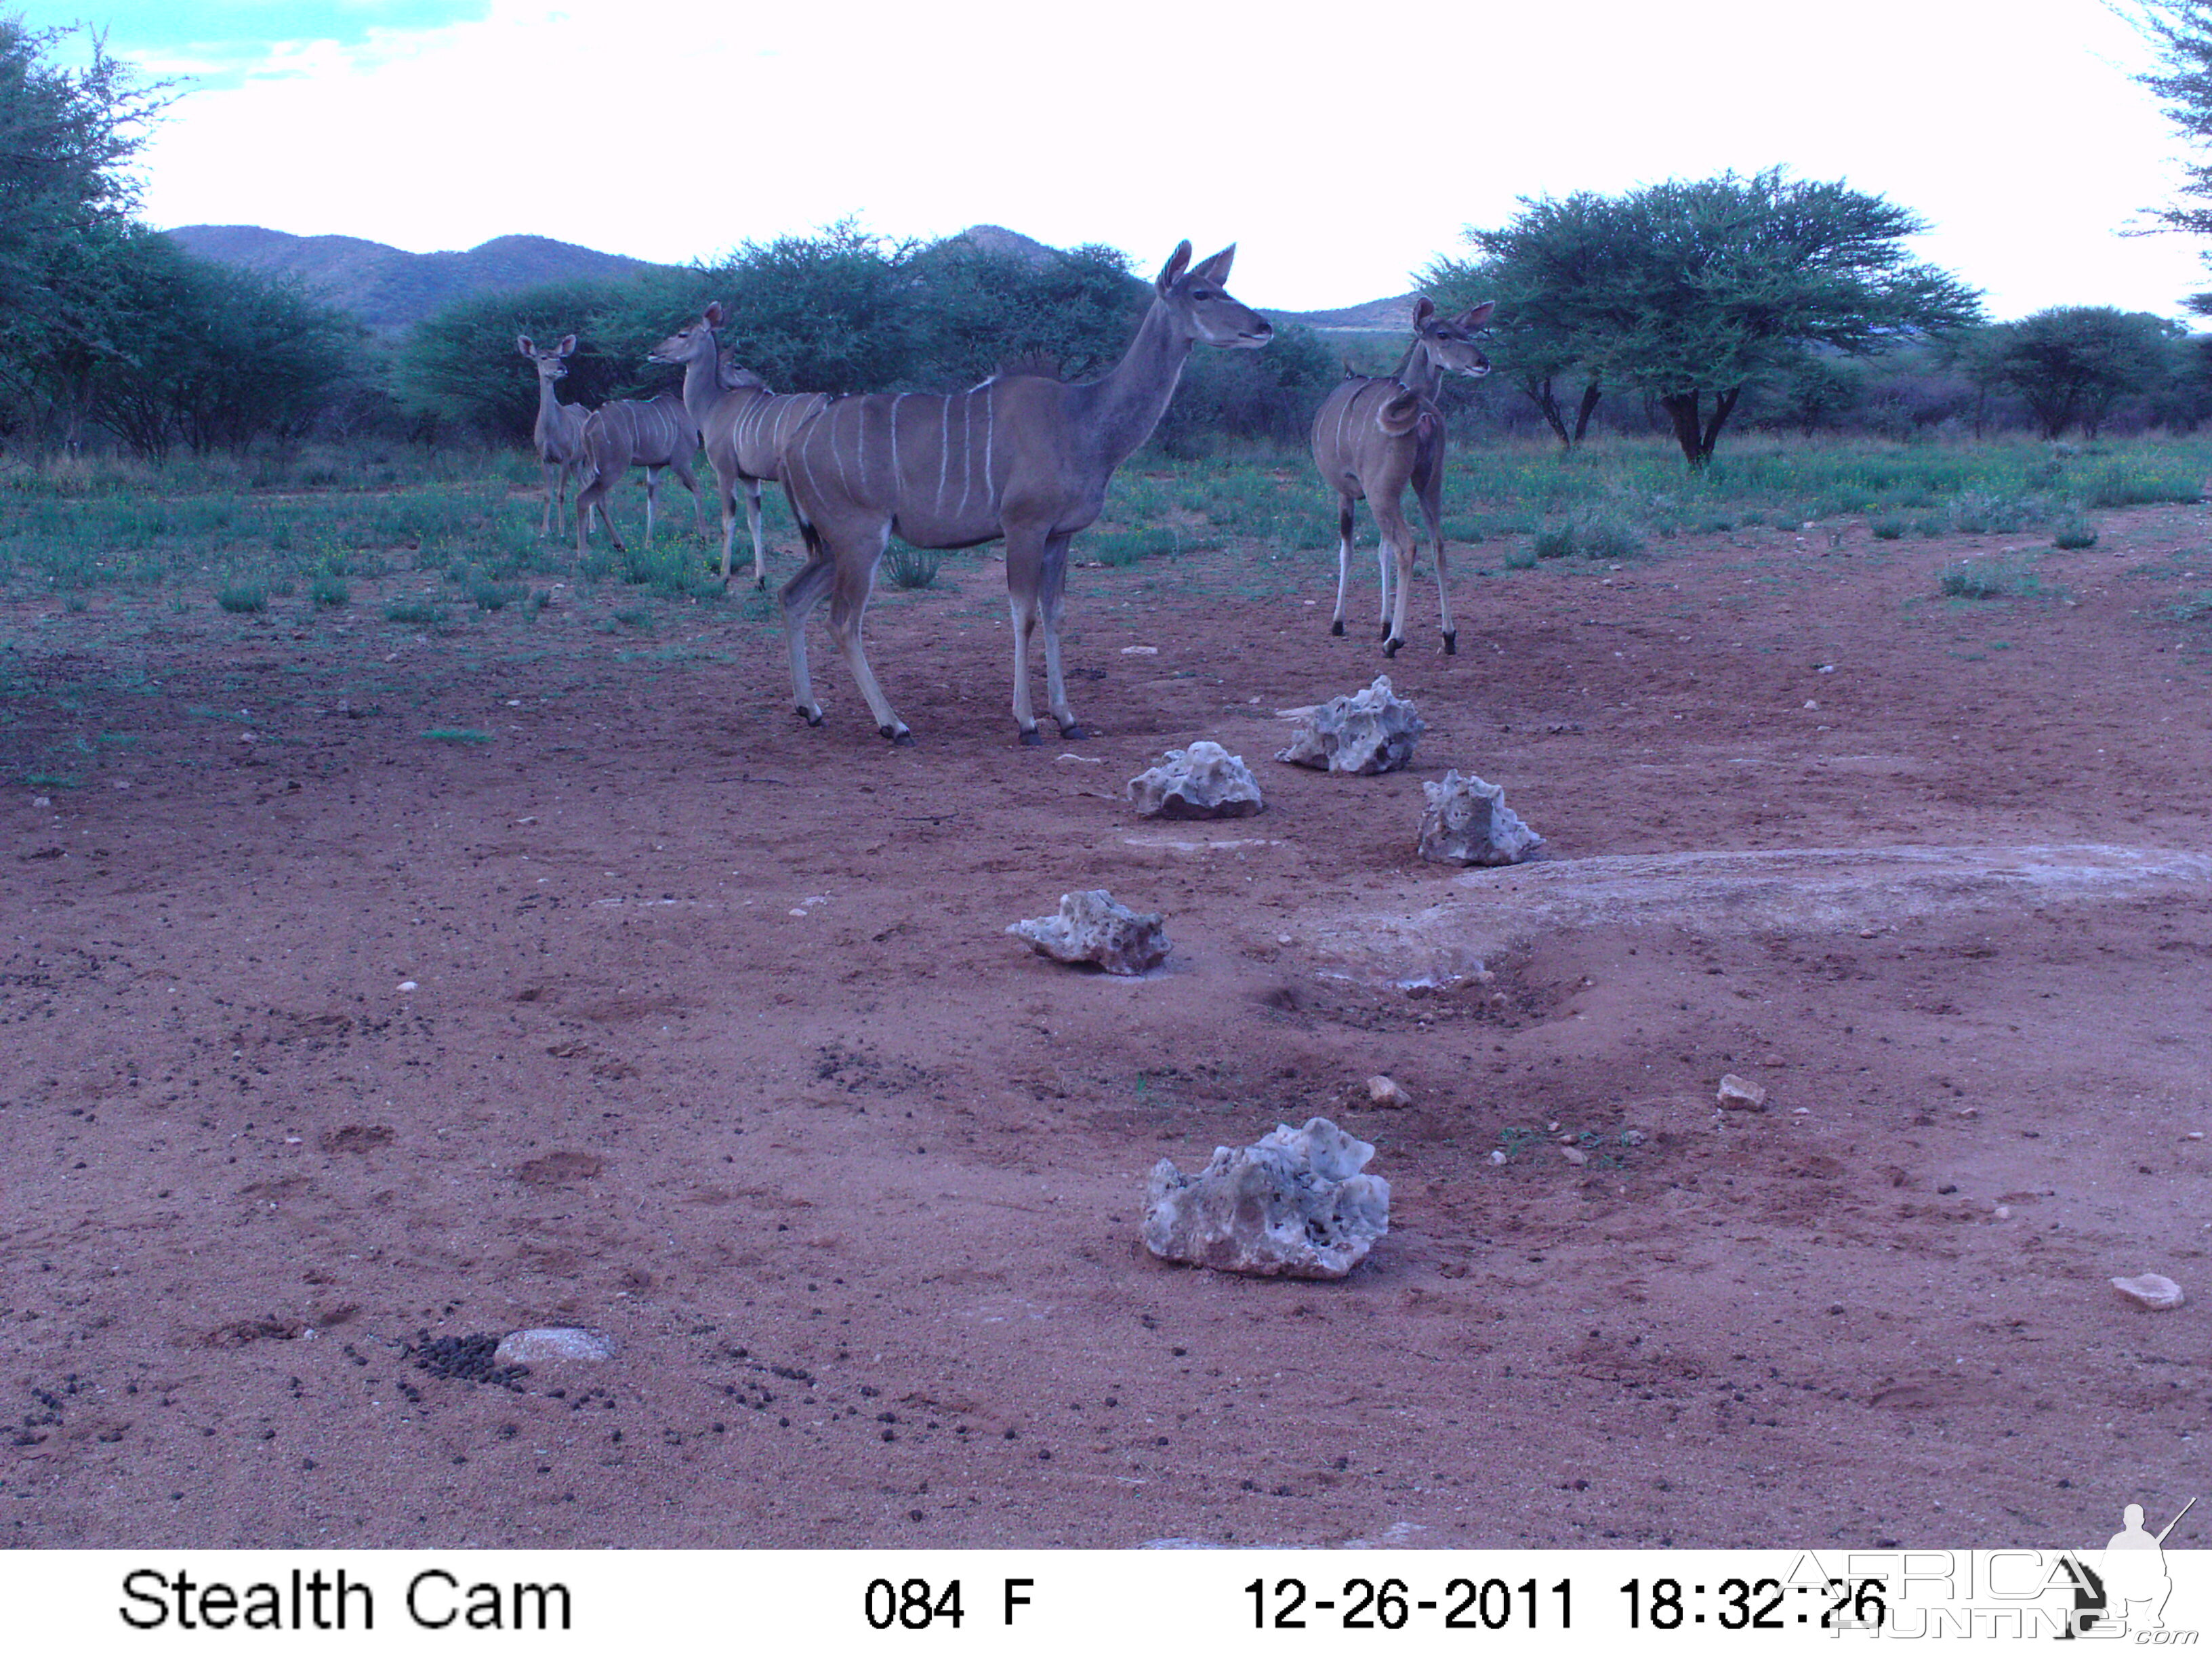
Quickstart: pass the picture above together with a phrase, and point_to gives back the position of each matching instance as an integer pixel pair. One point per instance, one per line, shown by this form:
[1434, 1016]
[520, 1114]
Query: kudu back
[1375, 435]
[654, 434]
[1022, 456]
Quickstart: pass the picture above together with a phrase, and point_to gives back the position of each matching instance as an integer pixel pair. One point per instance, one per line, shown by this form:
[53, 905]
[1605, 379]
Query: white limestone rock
[1295, 1205]
[1738, 1094]
[1202, 781]
[1371, 730]
[553, 1344]
[1468, 821]
[1093, 927]
[2153, 1290]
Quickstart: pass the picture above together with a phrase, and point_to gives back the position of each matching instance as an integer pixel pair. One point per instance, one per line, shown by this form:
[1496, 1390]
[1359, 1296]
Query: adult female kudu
[1021, 456]
[1372, 436]
[620, 436]
[559, 434]
[743, 425]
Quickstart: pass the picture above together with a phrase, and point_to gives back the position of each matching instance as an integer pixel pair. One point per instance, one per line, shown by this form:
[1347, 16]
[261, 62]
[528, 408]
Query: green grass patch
[911, 567]
[457, 734]
[2003, 578]
[243, 599]
[413, 613]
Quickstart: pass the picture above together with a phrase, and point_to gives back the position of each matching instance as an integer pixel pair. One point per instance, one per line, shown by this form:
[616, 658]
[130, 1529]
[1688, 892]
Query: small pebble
[1573, 1154]
[1385, 1091]
[1140, 651]
[1809, 703]
[42, 800]
[407, 985]
[550, 1343]
[1498, 1156]
[2003, 1212]
[1740, 1095]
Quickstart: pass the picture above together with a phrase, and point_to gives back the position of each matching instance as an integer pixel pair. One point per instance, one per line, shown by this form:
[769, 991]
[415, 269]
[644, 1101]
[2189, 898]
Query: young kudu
[743, 425]
[1373, 436]
[1021, 456]
[620, 436]
[559, 434]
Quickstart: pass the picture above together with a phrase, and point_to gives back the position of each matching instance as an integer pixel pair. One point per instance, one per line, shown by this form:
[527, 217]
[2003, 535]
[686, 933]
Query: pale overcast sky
[1340, 149]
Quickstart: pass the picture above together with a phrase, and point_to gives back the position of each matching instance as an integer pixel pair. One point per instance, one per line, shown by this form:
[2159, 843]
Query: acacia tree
[68, 136]
[2072, 363]
[2180, 31]
[1689, 292]
[1531, 270]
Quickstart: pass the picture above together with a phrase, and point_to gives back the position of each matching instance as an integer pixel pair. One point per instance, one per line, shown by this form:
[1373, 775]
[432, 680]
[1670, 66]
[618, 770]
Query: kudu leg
[1344, 526]
[1397, 557]
[799, 596]
[652, 499]
[1054, 597]
[1384, 562]
[556, 475]
[849, 604]
[1430, 499]
[753, 524]
[1025, 561]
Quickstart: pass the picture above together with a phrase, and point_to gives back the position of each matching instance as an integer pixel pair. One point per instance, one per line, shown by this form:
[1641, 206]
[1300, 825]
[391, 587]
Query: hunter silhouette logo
[2136, 1582]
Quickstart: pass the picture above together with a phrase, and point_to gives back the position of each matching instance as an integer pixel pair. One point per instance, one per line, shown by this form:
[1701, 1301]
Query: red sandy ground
[718, 1046]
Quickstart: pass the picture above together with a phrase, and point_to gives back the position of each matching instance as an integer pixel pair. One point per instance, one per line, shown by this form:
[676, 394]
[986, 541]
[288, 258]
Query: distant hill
[387, 288]
[1392, 316]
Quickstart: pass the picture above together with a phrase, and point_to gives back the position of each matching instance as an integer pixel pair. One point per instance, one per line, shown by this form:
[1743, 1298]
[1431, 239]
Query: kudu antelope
[1021, 456]
[743, 425]
[559, 434]
[655, 434]
[1373, 436]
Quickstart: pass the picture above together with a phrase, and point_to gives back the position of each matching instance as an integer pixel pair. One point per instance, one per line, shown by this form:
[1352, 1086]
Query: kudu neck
[702, 379]
[1417, 372]
[1128, 403]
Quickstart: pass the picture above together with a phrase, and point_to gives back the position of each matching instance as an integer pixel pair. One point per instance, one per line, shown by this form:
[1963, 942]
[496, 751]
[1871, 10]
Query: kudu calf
[655, 434]
[1021, 456]
[559, 434]
[1373, 436]
[743, 425]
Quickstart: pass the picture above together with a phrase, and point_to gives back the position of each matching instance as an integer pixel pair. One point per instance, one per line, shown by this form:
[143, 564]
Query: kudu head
[1201, 307]
[551, 366]
[1448, 341]
[693, 342]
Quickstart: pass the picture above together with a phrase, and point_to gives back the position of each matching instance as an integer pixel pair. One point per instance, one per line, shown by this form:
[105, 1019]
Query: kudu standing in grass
[1372, 436]
[655, 434]
[559, 434]
[1021, 456]
[743, 425]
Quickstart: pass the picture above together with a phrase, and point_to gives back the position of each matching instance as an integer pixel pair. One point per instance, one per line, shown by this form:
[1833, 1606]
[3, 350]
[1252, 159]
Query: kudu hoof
[1390, 647]
[1451, 645]
[1384, 636]
[1072, 733]
[1032, 738]
[1337, 628]
[812, 716]
[899, 736]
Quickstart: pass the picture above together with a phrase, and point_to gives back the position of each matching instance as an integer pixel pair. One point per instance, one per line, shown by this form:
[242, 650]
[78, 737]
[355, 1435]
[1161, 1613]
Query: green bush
[2074, 533]
[414, 612]
[1589, 535]
[1889, 526]
[909, 567]
[496, 596]
[243, 598]
[1989, 579]
[328, 592]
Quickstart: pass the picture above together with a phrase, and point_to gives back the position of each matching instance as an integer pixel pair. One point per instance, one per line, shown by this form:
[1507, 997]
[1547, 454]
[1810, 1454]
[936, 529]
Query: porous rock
[1371, 730]
[1468, 821]
[2153, 1290]
[550, 1344]
[1295, 1205]
[1202, 781]
[1094, 927]
[1740, 1095]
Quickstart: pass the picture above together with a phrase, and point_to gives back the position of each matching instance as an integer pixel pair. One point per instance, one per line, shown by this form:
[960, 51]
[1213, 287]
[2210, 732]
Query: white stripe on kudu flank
[895, 475]
[836, 449]
[943, 448]
[966, 452]
[990, 432]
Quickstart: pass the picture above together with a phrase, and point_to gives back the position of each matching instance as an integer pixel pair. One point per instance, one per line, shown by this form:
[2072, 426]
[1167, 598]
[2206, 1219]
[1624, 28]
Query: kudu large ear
[523, 345]
[1423, 309]
[1478, 316]
[568, 345]
[713, 313]
[1216, 270]
[1172, 272]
